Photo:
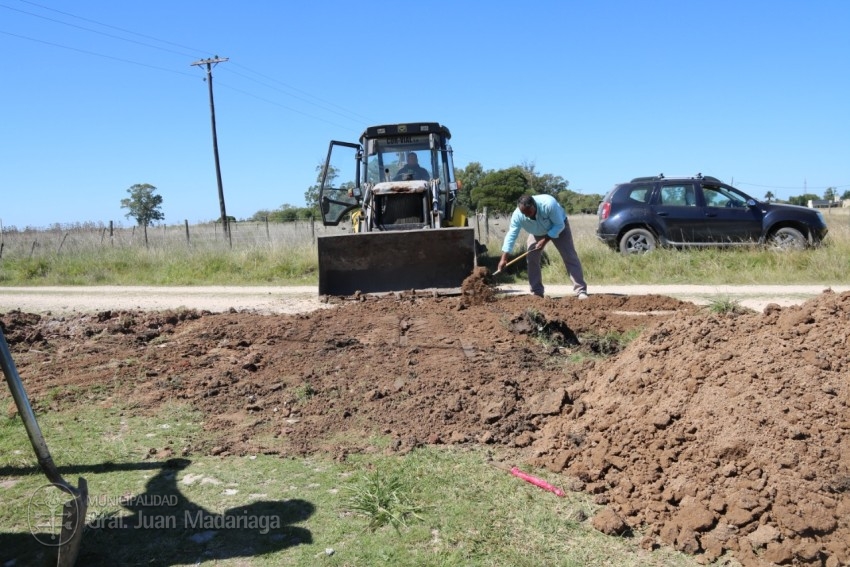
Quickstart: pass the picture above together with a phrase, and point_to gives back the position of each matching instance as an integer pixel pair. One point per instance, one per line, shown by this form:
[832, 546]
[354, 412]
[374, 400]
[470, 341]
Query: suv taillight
[604, 210]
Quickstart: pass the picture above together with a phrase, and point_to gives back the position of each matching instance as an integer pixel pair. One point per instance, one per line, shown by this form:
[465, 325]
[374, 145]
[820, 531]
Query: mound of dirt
[722, 433]
[478, 287]
[710, 433]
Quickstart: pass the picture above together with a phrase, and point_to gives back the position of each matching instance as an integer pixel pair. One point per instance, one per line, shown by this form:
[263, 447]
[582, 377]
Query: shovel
[514, 261]
[74, 511]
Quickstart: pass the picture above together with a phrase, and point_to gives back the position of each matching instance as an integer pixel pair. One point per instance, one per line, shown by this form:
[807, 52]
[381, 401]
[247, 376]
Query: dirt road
[299, 299]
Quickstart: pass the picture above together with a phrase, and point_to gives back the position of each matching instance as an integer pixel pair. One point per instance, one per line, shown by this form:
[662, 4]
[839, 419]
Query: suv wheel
[638, 241]
[787, 238]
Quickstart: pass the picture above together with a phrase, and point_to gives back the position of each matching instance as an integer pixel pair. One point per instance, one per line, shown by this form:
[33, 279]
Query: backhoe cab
[407, 230]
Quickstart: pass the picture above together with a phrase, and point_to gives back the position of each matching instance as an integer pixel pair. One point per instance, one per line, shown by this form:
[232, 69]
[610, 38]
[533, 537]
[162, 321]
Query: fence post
[111, 234]
[486, 225]
[268, 236]
[62, 243]
[186, 223]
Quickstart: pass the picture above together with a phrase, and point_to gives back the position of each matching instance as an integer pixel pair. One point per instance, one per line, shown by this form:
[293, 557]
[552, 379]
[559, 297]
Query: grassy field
[285, 254]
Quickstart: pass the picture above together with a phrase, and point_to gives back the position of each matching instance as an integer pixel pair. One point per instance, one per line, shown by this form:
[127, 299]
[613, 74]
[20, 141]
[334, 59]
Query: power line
[360, 118]
[90, 30]
[52, 44]
[344, 114]
[106, 25]
[252, 95]
[803, 188]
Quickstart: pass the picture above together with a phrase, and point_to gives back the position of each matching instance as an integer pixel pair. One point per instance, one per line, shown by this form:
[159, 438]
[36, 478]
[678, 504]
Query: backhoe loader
[407, 231]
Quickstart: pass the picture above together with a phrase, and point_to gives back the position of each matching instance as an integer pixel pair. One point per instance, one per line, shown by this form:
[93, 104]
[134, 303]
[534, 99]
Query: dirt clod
[478, 287]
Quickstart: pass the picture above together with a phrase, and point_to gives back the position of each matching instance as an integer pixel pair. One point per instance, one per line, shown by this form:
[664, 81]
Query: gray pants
[567, 250]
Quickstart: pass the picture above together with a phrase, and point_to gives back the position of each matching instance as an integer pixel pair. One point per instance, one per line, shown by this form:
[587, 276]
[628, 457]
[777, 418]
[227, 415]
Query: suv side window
[678, 195]
[640, 193]
[716, 196]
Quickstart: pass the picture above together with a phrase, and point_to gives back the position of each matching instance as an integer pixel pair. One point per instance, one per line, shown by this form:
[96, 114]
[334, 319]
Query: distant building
[826, 204]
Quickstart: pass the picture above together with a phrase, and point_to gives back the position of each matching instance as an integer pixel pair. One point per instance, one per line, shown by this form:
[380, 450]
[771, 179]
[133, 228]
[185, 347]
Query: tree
[311, 196]
[500, 190]
[846, 194]
[769, 196]
[468, 179]
[285, 213]
[574, 203]
[529, 167]
[550, 184]
[830, 194]
[143, 206]
[803, 200]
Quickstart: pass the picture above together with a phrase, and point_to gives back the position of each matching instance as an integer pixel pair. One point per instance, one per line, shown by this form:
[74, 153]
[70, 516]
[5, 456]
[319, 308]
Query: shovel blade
[73, 525]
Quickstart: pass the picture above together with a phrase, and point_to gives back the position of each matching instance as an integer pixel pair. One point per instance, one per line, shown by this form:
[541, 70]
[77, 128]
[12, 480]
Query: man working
[412, 170]
[544, 219]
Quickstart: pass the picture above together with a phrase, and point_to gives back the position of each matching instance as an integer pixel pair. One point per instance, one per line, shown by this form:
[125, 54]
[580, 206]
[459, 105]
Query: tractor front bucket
[396, 260]
[73, 520]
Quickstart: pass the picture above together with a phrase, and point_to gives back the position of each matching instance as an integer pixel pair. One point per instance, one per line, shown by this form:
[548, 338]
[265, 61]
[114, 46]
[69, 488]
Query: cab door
[339, 181]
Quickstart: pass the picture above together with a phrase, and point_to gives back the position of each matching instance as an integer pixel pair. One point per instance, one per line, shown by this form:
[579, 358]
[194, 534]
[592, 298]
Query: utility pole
[209, 63]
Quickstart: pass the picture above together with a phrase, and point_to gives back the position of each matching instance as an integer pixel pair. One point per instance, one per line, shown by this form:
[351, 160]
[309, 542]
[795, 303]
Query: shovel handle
[39, 445]
[515, 260]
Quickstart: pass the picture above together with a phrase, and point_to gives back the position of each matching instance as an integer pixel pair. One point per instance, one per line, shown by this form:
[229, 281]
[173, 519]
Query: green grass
[432, 506]
[611, 343]
[726, 306]
[287, 255]
[384, 499]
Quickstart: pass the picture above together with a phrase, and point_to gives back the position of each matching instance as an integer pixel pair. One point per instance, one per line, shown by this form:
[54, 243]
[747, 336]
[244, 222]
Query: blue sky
[100, 95]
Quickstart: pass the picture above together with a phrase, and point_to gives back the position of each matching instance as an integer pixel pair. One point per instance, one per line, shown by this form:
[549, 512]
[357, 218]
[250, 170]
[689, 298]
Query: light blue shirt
[550, 220]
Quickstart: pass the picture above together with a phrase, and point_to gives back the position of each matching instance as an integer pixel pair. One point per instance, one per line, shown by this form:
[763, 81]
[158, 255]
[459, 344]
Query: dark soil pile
[478, 288]
[711, 433]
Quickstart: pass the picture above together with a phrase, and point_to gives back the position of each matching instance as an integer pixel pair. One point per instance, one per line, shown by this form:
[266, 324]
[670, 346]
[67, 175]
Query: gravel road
[300, 299]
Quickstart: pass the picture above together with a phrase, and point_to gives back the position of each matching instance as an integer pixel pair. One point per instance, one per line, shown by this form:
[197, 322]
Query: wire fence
[244, 235]
[207, 236]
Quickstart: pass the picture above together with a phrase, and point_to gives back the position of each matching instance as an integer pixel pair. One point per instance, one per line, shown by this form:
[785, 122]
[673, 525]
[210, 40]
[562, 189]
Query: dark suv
[656, 211]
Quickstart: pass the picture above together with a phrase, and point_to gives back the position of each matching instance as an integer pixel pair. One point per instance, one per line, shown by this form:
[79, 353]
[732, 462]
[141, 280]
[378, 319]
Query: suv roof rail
[653, 178]
[708, 178]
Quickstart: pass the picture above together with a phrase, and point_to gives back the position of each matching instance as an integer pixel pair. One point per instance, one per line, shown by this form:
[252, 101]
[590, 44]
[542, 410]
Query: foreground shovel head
[397, 260]
[73, 525]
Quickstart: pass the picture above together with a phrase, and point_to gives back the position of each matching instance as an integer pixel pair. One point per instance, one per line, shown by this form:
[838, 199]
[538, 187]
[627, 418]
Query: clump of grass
[304, 392]
[383, 499]
[611, 343]
[726, 306]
